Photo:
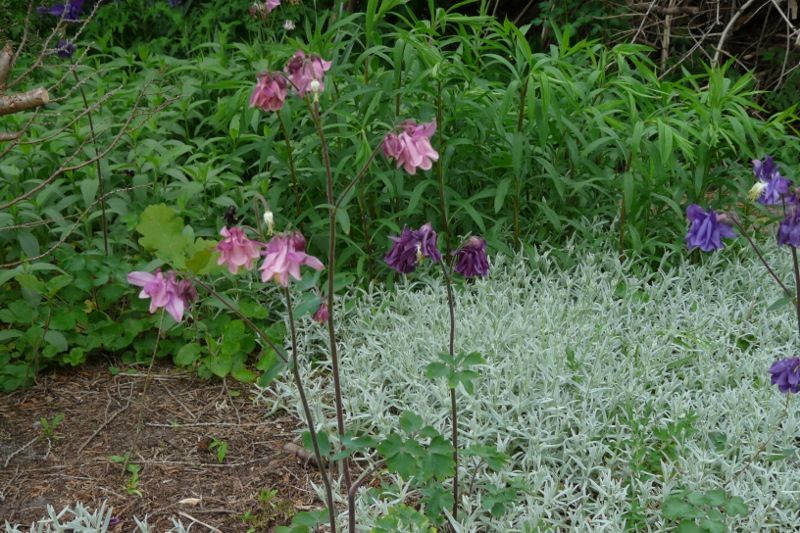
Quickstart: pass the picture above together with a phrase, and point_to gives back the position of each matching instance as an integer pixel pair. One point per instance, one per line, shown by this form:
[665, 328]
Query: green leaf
[202, 257]
[713, 526]
[162, 233]
[56, 283]
[57, 340]
[675, 508]
[471, 359]
[188, 354]
[89, 190]
[410, 422]
[271, 366]
[779, 303]
[501, 193]
[31, 282]
[437, 370]
[76, 357]
[688, 526]
[323, 441]
[716, 497]
[736, 506]
[220, 365]
[252, 309]
[243, 374]
[308, 304]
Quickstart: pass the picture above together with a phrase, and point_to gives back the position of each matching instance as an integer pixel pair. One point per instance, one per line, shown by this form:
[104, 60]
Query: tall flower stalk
[337, 386]
[451, 306]
[307, 412]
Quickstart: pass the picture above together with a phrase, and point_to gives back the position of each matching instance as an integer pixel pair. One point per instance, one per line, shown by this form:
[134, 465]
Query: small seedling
[49, 427]
[132, 470]
[221, 447]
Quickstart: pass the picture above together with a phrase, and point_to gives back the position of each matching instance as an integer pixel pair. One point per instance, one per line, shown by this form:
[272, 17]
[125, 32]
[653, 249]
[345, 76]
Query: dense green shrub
[537, 146]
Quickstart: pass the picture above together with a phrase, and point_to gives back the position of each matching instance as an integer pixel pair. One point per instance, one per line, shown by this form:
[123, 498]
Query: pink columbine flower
[236, 250]
[303, 70]
[321, 315]
[164, 292]
[269, 92]
[284, 256]
[272, 4]
[412, 147]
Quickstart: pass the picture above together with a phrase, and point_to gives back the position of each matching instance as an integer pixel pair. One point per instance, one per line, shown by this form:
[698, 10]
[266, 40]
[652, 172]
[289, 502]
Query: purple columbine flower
[789, 228]
[175, 3]
[410, 247]
[471, 258]
[786, 374]
[771, 186]
[707, 229]
[70, 10]
[65, 48]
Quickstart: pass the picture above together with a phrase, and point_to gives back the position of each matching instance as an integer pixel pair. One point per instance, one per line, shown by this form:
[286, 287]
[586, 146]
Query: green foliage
[457, 370]
[702, 512]
[221, 447]
[304, 522]
[403, 518]
[49, 427]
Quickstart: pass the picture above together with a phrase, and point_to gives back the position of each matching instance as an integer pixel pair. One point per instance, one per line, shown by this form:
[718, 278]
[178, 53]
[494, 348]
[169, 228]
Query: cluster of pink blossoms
[236, 250]
[412, 147]
[283, 255]
[305, 73]
[167, 292]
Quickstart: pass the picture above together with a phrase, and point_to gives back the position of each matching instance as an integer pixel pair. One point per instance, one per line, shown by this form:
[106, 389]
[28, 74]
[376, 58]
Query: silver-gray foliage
[584, 366]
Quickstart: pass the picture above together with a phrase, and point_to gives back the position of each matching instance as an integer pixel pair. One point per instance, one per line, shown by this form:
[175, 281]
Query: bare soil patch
[257, 485]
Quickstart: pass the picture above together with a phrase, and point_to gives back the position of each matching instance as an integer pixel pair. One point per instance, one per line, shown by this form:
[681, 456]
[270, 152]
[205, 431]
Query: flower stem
[755, 248]
[796, 285]
[292, 171]
[307, 411]
[764, 444]
[332, 207]
[440, 166]
[453, 407]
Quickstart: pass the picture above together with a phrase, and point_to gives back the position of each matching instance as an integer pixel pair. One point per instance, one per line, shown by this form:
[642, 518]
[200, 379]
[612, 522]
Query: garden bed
[183, 418]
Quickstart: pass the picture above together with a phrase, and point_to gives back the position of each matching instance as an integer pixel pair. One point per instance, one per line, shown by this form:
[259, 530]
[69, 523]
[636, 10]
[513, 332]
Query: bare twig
[10, 136]
[66, 235]
[13, 454]
[62, 169]
[195, 520]
[728, 27]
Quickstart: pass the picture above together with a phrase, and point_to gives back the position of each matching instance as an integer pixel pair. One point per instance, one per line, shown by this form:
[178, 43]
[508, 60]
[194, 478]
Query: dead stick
[103, 425]
[19, 451]
[23, 101]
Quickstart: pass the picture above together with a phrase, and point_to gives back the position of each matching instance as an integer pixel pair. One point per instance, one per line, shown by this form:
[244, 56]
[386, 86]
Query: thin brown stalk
[451, 306]
[100, 181]
[307, 412]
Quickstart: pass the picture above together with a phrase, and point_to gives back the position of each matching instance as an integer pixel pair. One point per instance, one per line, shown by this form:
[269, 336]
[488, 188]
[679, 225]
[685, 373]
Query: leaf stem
[755, 248]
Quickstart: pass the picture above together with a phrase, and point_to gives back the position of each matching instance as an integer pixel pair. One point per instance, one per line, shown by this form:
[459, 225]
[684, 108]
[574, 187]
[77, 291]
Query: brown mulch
[182, 416]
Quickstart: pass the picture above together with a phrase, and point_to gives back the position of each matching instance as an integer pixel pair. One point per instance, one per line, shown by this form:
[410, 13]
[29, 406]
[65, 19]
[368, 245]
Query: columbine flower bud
[269, 220]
